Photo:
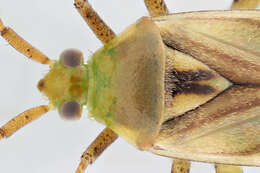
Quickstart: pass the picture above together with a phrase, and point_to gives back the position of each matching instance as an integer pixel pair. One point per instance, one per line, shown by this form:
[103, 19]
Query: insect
[112, 52]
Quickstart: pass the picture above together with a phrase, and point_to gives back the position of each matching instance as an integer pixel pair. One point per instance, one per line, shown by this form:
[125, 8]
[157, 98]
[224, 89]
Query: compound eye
[71, 57]
[70, 110]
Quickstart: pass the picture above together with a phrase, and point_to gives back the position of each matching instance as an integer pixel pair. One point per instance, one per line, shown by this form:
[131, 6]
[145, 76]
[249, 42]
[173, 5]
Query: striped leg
[156, 7]
[22, 119]
[104, 139]
[98, 26]
[180, 166]
[245, 4]
[227, 169]
[22, 46]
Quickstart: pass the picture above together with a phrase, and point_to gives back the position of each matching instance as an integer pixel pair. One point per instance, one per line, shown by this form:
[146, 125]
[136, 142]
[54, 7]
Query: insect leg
[245, 4]
[156, 7]
[96, 148]
[227, 168]
[98, 26]
[180, 166]
[22, 119]
[22, 46]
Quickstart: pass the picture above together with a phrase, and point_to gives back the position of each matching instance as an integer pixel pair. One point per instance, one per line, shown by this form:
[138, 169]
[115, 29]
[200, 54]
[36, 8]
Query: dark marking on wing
[200, 75]
[196, 88]
[185, 82]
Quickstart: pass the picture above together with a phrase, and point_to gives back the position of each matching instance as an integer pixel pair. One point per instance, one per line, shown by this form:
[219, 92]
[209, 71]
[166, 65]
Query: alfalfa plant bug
[205, 75]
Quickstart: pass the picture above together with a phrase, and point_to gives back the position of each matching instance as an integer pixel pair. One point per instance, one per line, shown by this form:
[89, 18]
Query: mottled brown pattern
[178, 82]
[22, 46]
[22, 119]
[96, 148]
[180, 166]
[183, 82]
[156, 7]
[169, 82]
[189, 76]
[98, 26]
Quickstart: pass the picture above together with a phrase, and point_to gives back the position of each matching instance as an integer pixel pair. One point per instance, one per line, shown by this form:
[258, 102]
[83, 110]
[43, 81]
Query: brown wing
[226, 129]
[227, 41]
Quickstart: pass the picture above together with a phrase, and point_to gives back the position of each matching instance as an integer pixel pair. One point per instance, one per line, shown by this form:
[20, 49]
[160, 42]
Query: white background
[50, 144]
